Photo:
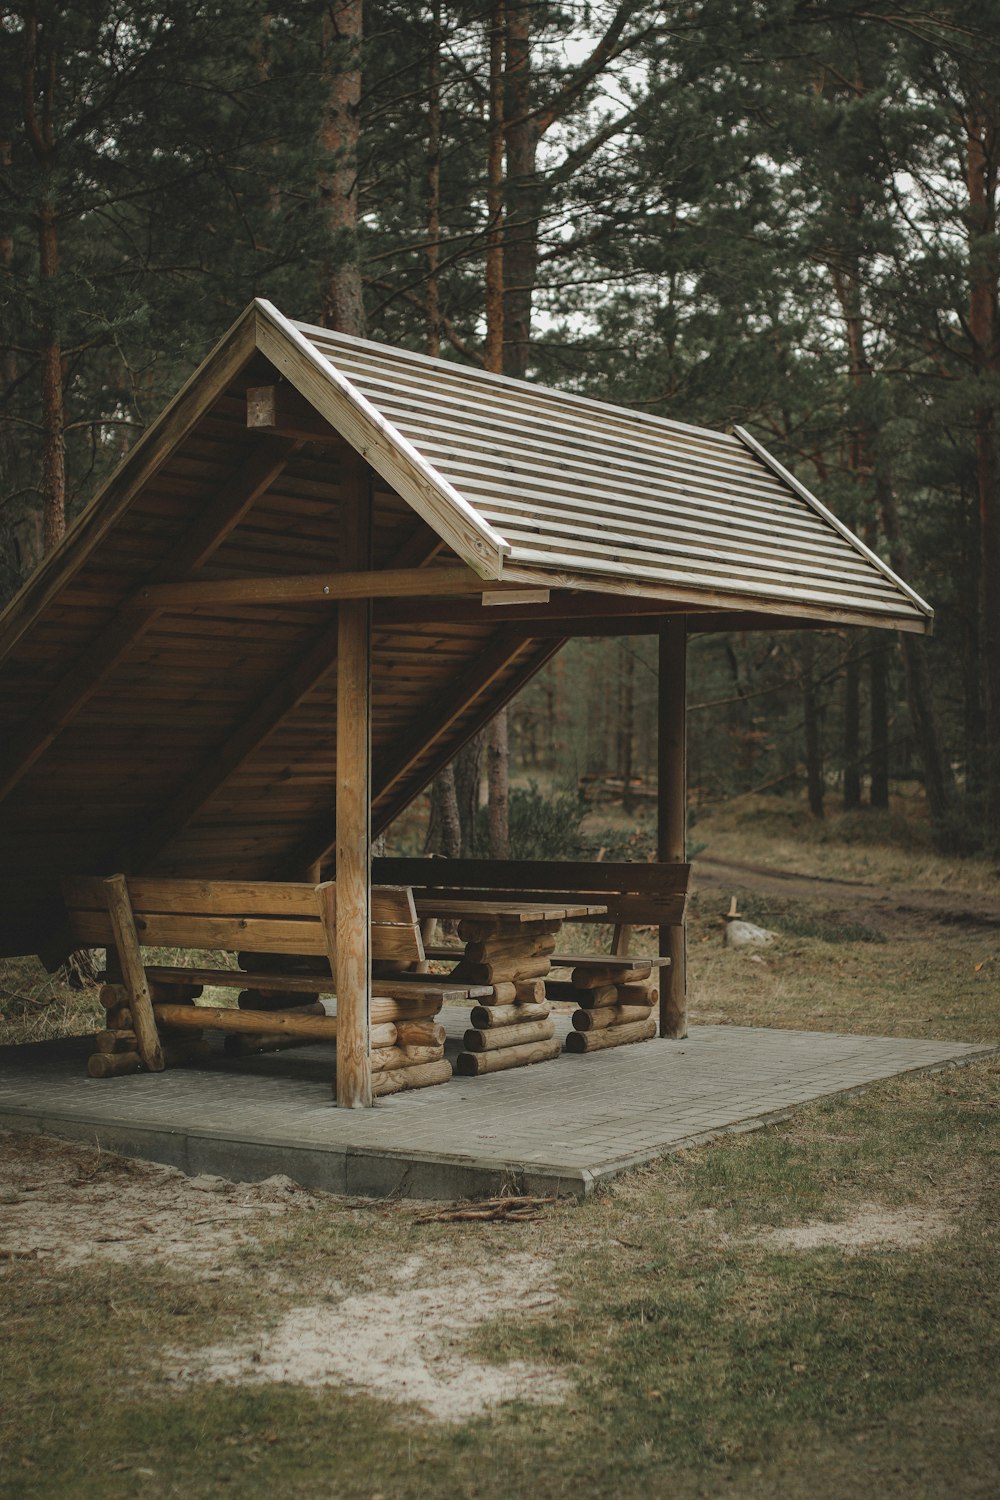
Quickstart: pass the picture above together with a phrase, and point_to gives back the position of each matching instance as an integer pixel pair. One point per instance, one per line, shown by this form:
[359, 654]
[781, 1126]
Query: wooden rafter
[420, 772]
[428, 726]
[156, 446]
[134, 617]
[284, 696]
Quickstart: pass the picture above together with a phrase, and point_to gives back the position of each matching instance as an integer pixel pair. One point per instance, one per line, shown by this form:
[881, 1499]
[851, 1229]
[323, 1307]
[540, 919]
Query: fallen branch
[510, 1209]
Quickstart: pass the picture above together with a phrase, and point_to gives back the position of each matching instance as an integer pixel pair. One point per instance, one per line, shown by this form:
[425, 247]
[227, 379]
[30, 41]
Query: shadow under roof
[199, 737]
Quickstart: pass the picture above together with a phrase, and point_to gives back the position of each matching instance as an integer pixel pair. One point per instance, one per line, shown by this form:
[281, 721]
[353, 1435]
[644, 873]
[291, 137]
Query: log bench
[284, 936]
[615, 993]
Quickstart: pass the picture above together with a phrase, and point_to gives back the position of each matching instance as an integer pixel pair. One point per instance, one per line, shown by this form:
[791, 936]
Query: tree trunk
[626, 721]
[810, 708]
[498, 787]
[468, 764]
[878, 668]
[524, 192]
[433, 170]
[852, 732]
[983, 177]
[39, 123]
[444, 833]
[870, 459]
[342, 300]
[494, 349]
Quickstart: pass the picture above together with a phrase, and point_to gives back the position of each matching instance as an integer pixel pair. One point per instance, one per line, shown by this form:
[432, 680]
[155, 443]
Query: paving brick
[558, 1126]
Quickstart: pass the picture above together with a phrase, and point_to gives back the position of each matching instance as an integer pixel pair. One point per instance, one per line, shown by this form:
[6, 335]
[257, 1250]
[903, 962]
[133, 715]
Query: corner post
[353, 872]
[672, 810]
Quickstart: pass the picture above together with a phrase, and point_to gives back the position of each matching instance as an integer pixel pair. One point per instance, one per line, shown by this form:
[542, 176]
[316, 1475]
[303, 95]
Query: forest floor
[806, 1311]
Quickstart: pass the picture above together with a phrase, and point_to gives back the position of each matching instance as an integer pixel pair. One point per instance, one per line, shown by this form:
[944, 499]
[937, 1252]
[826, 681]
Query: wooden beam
[352, 954]
[314, 588]
[672, 812]
[280, 410]
[590, 611]
[135, 615]
[677, 596]
[533, 656]
[145, 459]
[129, 954]
[284, 696]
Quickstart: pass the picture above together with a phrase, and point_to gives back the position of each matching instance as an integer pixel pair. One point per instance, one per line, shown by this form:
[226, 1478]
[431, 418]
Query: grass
[705, 1360]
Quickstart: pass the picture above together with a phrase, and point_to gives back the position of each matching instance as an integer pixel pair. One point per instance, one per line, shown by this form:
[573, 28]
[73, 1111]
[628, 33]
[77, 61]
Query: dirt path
[857, 900]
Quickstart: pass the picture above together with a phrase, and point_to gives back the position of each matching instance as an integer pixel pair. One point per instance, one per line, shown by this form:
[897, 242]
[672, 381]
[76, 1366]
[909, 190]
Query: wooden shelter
[178, 697]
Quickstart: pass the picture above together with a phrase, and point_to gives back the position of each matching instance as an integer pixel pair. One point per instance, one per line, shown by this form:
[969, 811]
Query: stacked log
[511, 1028]
[115, 1048]
[415, 1060]
[614, 1006]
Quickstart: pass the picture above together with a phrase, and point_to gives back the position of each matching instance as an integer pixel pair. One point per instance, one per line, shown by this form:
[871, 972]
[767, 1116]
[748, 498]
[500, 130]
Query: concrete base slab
[558, 1127]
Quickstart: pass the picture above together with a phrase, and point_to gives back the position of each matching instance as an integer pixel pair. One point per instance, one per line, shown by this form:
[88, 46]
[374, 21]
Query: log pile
[512, 1027]
[116, 1047]
[415, 1060]
[614, 1006]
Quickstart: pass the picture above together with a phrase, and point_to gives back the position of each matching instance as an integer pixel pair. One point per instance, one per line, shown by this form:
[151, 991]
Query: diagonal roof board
[598, 495]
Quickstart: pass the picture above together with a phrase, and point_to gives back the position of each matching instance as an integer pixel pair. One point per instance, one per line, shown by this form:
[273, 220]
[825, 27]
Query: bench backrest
[259, 916]
[636, 895]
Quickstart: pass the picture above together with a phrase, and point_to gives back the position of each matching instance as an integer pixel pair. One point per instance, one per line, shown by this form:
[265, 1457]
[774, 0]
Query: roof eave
[630, 585]
[845, 531]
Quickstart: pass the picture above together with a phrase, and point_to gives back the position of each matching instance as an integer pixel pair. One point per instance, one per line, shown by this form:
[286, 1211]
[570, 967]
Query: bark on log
[130, 957]
[530, 992]
[299, 1005]
[612, 1036]
[485, 1016]
[113, 1064]
[323, 1028]
[507, 972]
[419, 1033]
[638, 994]
[384, 1059]
[509, 1036]
[558, 989]
[595, 979]
[398, 1079]
[175, 1055]
[610, 1015]
[474, 1064]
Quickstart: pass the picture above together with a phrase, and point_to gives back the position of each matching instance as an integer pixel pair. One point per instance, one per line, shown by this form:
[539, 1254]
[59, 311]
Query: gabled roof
[559, 484]
[189, 733]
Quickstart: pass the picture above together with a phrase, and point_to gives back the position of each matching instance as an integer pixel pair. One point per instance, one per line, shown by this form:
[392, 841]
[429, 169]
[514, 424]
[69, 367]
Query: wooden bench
[283, 934]
[614, 993]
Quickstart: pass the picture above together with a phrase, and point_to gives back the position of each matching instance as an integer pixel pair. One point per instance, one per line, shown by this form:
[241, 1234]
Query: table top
[507, 911]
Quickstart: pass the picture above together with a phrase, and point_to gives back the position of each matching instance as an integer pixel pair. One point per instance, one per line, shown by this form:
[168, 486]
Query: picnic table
[508, 945]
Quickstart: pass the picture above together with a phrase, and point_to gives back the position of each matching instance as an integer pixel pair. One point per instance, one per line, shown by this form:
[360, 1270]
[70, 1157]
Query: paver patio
[562, 1126]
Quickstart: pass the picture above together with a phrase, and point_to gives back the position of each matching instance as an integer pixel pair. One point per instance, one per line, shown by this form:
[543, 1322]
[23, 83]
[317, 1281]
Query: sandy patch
[62, 1204]
[406, 1345]
[872, 1227]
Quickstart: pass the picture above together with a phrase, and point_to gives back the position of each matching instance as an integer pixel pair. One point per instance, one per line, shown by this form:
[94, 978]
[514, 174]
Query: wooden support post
[353, 814]
[672, 811]
[130, 958]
